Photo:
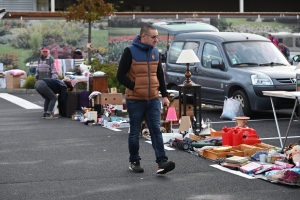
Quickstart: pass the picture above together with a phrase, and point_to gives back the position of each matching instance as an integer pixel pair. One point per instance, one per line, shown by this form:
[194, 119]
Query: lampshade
[187, 56]
[171, 115]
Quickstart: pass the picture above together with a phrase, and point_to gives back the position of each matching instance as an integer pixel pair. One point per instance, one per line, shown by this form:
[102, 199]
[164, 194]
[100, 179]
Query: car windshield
[255, 53]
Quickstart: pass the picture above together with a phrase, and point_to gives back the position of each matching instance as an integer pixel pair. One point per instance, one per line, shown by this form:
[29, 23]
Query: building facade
[27, 5]
[159, 6]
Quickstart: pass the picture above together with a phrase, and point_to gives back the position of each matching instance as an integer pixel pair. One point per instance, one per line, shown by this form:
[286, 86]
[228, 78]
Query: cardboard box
[108, 98]
[12, 81]
[113, 90]
[170, 136]
[92, 115]
[189, 108]
[118, 118]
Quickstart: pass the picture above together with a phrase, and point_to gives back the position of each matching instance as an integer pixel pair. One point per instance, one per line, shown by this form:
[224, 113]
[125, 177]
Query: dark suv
[238, 65]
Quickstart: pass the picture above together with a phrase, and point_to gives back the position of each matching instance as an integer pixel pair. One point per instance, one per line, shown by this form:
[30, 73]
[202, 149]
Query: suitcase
[99, 109]
[83, 99]
[72, 103]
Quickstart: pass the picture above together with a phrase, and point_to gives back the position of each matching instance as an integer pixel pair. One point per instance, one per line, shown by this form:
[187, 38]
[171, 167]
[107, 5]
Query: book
[236, 160]
[251, 168]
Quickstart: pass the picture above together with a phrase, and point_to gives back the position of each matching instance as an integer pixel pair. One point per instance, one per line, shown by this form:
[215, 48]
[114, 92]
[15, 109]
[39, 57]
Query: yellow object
[222, 148]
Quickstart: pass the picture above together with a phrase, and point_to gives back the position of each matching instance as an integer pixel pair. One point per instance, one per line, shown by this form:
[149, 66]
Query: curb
[19, 91]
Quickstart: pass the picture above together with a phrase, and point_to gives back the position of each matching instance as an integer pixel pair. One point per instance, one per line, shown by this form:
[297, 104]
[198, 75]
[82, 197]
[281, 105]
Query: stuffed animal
[146, 133]
[296, 155]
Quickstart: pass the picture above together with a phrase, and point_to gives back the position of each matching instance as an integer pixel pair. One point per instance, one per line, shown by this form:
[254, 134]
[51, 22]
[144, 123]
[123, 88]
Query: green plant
[22, 41]
[29, 83]
[4, 30]
[111, 71]
[35, 41]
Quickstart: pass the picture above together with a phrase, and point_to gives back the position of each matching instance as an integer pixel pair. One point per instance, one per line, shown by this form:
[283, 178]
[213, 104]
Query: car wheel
[174, 87]
[241, 96]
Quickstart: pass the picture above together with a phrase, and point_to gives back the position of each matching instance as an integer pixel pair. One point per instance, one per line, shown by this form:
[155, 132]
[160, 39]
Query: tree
[88, 11]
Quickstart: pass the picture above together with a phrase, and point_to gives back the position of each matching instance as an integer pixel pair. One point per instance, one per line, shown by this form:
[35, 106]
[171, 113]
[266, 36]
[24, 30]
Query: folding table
[283, 94]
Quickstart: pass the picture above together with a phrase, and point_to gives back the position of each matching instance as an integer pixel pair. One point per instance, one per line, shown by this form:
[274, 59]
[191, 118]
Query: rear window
[190, 27]
[176, 27]
[177, 47]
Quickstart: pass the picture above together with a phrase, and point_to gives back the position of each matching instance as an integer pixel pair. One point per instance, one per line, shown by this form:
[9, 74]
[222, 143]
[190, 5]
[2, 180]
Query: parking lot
[64, 159]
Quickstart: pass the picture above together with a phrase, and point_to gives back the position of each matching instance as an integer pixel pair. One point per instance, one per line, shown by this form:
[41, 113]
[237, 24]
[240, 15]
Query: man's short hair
[146, 28]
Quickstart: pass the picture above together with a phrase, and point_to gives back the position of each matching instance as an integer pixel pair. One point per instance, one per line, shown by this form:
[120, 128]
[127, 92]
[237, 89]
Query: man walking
[140, 71]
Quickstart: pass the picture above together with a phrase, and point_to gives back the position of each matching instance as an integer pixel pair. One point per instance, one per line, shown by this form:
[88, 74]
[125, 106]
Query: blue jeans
[150, 110]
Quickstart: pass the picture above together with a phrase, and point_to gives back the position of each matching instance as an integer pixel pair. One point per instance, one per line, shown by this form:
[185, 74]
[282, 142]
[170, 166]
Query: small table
[195, 91]
[283, 94]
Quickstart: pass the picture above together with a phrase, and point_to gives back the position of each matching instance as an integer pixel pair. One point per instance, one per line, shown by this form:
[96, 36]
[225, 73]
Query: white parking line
[19, 101]
[166, 147]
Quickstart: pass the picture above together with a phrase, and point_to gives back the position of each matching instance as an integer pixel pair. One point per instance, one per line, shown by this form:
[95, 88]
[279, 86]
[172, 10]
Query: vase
[241, 121]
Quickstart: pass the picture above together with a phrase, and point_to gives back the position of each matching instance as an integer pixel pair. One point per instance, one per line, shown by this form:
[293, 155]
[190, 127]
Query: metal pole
[52, 5]
[287, 131]
[277, 126]
[241, 6]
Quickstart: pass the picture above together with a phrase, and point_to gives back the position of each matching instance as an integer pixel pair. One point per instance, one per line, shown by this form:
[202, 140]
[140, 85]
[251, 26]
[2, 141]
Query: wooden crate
[216, 133]
[264, 146]
[212, 155]
[248, 150]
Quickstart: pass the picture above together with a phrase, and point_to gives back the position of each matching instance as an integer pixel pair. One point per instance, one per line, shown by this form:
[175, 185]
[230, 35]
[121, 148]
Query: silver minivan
[238, 65]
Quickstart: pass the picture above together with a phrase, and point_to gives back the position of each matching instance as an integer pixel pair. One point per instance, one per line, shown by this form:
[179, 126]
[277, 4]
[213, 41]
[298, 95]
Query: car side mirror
[296, 58]
[216, 64]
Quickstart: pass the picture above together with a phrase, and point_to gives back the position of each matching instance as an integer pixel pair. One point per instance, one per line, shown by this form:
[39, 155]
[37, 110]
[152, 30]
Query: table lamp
[171, 115]
[187, 56]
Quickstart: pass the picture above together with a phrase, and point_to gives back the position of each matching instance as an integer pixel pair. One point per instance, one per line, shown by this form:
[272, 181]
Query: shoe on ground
[44, 115]
[49, 116]
[136, 167]
[165, 167]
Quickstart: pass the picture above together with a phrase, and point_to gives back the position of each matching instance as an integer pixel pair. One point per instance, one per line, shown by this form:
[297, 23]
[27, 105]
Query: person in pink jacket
[274, 40]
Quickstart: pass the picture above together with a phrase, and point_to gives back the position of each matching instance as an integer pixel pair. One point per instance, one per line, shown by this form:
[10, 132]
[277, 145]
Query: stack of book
[234, 162]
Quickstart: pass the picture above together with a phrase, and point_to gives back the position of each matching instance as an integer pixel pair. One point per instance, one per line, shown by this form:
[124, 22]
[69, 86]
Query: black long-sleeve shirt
[124, 66]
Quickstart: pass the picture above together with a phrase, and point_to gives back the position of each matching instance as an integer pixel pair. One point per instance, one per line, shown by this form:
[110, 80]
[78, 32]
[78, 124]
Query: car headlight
[261, 80]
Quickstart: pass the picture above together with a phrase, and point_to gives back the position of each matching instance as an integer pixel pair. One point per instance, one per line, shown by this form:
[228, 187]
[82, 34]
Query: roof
[222, 36]
[175, 27]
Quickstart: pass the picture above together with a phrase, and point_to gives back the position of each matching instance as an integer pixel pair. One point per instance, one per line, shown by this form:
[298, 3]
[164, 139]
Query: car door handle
[195, 69]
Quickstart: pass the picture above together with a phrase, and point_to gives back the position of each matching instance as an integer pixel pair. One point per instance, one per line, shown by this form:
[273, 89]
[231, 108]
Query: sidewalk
[19, 91]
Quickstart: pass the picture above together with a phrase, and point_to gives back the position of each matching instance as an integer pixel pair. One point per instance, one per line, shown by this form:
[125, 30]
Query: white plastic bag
[55, 109]
[206, 126]
[232, 108]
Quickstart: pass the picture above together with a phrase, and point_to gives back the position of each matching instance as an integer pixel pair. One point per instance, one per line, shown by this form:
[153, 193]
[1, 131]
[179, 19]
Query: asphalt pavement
[64, 159]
